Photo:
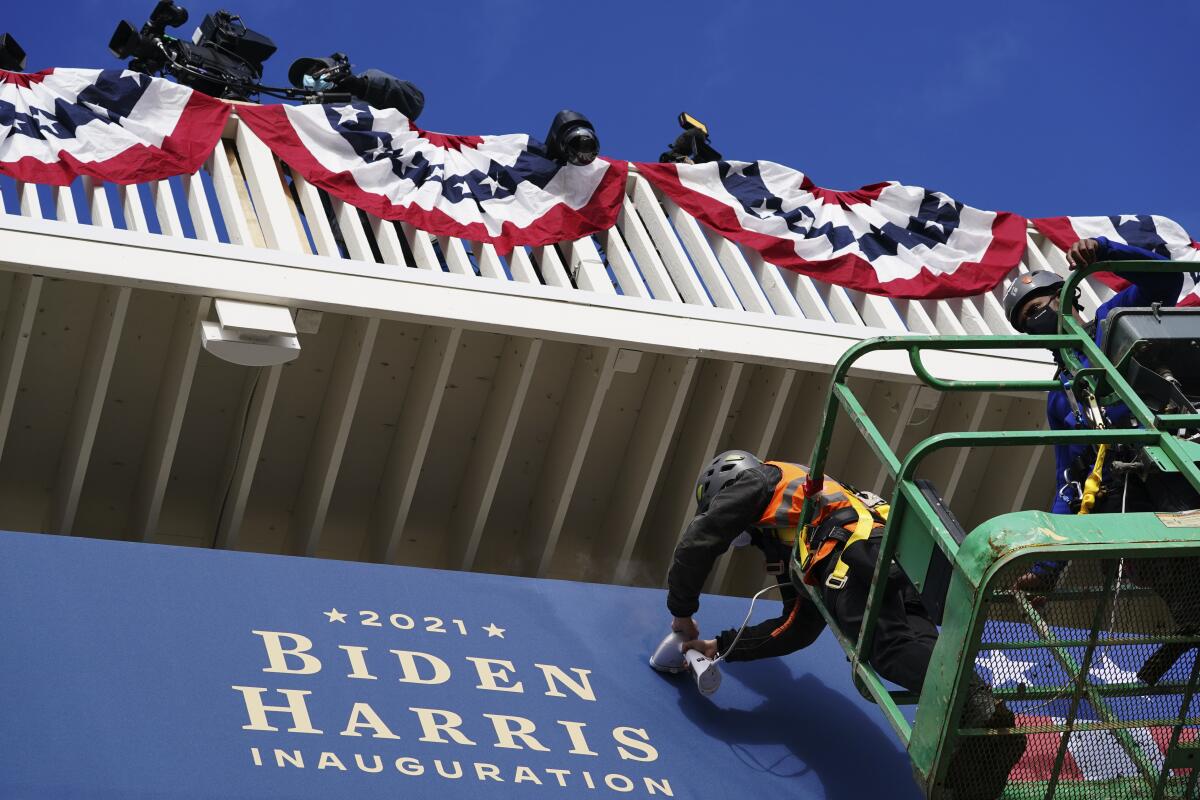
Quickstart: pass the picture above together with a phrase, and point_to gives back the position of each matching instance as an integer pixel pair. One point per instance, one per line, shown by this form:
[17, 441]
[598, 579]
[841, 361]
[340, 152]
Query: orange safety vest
[783, 515]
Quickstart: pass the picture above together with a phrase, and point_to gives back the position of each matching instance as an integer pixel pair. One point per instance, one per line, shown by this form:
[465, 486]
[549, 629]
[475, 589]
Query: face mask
[742, 539]
[314, 84]
[1044, 321]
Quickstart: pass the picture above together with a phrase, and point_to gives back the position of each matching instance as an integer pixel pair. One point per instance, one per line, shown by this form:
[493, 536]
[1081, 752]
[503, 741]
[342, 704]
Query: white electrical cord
[742, 628]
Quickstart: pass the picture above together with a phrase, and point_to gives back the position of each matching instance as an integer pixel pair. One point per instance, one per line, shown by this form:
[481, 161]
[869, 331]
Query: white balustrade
[244, 196]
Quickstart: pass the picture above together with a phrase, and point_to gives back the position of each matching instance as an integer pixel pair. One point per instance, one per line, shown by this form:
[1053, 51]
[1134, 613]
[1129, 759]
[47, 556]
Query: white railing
[656, 251]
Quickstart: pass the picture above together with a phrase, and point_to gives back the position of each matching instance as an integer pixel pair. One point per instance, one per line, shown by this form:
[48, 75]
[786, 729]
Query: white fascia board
[187, 266]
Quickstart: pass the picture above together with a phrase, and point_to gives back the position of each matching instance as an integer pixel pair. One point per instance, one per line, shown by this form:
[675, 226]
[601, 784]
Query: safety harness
[842, 518]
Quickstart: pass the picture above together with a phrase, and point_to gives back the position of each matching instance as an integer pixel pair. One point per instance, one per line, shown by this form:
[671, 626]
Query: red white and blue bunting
[112, 125]
[887, 238]
[498, 189]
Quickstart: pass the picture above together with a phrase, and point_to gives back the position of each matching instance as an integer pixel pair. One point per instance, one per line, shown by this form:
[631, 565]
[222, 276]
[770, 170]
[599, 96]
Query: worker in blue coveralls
[1032, 306]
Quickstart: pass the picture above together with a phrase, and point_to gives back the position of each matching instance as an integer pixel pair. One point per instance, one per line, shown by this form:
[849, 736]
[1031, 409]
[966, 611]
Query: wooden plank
[410, 443]
[164, 206]
[774, 287]
[388, 241]
[489, 261]
[623, 266]
[422, 248]
[243, 450]
[333, 429]
[683, 277]
[271, 202]
[646, 456]
[64, 204]
[590, 379]
[456, 256]
[236, 211]
[355, 239]
[553, 271]
[31, 204]
[521, 267]
[14, 344]
[97, 200]
[493, 439]
[108, 320]
[707, 417]
[133, 208]
[742, 278]
[317, 218]
[199, 209]
[587, 268]
[702, 256]
[170, 405]
[652, 268]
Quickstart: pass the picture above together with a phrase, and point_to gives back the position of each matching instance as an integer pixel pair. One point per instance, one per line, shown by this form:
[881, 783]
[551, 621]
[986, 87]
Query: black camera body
[572, 139]
[691, 146]
[224, 59]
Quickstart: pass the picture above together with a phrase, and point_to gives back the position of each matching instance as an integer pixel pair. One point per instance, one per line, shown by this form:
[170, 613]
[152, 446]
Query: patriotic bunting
[1091, 755]
[113, 125]
[887, 238]
[1161, 235]
[498, 189]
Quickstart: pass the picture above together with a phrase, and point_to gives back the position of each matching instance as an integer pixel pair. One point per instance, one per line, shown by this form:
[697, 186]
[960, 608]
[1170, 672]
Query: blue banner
[148, 671]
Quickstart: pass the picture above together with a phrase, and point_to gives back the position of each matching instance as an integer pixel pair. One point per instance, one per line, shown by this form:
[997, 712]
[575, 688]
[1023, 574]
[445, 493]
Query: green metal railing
[914, 528]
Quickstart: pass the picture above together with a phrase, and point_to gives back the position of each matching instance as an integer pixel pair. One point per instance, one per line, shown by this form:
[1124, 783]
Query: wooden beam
[755, 430]
[333, 429]
[645, 457]
[493, 438]
[410, 443]
[590, 378]
[14, 344]
[174, 389]
[705, 423]
[244, 446]
[108, 320]
[272, 206]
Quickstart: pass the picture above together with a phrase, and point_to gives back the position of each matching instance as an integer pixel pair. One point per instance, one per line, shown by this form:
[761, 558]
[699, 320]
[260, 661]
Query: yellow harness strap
[1091, 486]
[862, 530]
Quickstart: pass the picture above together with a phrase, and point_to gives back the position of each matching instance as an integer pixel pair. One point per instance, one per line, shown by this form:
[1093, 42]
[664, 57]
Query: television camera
[691, 146]
[12, 55]
[224, 58]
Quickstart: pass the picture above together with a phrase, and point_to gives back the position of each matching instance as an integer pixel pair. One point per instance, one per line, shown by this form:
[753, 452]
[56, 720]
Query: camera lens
[125, 41]
[581, 146]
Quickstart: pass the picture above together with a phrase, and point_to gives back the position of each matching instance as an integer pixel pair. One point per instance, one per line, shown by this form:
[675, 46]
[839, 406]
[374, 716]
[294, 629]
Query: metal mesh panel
[1096, 680]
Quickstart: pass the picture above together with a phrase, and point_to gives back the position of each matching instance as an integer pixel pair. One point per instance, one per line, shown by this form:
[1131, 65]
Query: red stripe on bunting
[183, 152]
[25, 79]
[560, 223]
[851, 271]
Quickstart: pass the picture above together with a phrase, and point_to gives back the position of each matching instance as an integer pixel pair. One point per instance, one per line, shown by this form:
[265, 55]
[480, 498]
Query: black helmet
[721, 472]
[1038, 283]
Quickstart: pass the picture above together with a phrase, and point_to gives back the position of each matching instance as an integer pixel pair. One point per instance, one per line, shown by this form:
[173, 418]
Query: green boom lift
[1094, 728]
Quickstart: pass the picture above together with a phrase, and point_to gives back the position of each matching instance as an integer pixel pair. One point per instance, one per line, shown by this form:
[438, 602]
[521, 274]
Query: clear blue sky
[1035, 107]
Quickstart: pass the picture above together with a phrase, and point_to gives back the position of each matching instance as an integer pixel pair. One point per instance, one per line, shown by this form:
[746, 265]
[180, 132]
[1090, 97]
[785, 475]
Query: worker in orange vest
[744, 501]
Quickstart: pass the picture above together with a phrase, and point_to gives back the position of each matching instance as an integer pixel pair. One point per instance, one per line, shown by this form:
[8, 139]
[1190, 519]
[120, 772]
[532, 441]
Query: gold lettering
[363, 716]
[622, 737]
[357, 662]
[431, 728]
[255, 755]
[330, 760]
[559, 773]
[490, 669]
[579, 745]
[555, 675]
[295, 758]
[277, 654]
[409, 766]
[378, 763]
[257, 711]
[611, 780]
[507, 734]
[488, 771]
[525, 775]
[437, 764]
[412, 674]
[654, 787]
[587, 778]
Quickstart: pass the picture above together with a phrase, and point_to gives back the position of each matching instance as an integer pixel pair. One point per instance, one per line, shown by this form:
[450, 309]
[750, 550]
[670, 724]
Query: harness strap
[862, 531]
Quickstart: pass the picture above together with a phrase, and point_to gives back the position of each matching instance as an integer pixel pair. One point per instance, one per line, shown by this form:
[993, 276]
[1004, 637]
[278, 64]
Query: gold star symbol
[335, 615]
[492, 630]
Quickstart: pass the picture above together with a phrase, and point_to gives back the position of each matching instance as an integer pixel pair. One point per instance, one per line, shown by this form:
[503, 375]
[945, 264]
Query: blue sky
[1039, 108]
